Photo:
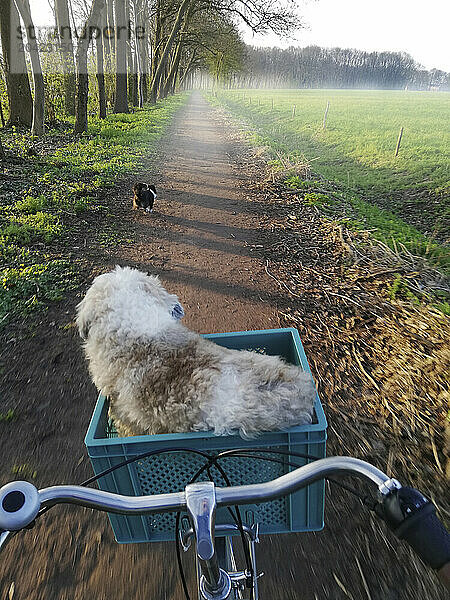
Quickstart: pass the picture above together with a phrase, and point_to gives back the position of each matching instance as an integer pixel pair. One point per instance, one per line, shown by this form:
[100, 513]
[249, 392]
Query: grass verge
[49, 183]
[361, 173]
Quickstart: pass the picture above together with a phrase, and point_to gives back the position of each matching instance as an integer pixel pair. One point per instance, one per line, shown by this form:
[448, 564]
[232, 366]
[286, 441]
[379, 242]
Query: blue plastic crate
[301, 511]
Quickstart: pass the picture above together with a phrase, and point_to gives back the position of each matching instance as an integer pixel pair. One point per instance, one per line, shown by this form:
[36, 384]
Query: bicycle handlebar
[408, 513]
[20, 501]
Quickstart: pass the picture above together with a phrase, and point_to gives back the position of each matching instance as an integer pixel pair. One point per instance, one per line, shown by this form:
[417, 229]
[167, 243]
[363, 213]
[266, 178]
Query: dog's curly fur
[161, 377]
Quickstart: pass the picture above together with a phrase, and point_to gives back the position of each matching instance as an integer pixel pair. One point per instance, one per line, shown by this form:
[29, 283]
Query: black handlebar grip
[412, 517]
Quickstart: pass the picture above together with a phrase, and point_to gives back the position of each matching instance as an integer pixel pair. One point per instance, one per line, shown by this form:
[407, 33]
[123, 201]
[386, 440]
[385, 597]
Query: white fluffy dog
[162, 378]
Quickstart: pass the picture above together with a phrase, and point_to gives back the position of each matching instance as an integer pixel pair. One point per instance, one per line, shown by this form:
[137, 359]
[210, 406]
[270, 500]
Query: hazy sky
[414, 26]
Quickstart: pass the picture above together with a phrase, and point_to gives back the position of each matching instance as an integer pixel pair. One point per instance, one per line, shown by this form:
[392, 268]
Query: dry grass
[381, 362]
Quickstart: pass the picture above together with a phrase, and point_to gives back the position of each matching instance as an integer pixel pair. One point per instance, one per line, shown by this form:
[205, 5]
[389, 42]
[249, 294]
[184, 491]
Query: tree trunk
[121, 100]
[110, 18]
[37, 127]
[141, 41]
[187, 70]
[143, 79]
[169, 84]
[136, 96]
[184, 7]
[156, 42]
[109, 52]
[132, 80]
[100, 66]
[160, 92]
[81, 119]
[144, 87]
[66, 50]
[17, 82]
[175, 74]
[106, 38]
[2, 116]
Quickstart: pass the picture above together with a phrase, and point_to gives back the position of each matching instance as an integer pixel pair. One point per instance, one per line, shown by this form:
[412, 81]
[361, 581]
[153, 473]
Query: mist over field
[316, 67]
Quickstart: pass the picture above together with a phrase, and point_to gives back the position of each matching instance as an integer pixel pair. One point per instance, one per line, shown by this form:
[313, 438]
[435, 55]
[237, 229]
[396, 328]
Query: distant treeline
[315, 67]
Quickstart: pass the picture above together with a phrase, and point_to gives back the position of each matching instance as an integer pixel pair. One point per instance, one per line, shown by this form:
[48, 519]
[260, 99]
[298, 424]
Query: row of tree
[140, 50]
[126, 52]
[315, 67]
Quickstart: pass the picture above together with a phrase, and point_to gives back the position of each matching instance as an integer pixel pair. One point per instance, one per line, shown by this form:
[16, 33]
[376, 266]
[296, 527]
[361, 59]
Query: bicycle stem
[201, 506]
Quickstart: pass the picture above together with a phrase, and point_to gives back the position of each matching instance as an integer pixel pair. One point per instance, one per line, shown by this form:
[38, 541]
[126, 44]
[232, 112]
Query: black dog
[144, 196]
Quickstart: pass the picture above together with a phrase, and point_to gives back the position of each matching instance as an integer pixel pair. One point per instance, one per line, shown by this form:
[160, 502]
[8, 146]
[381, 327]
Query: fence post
[397, 148]
[324, 124]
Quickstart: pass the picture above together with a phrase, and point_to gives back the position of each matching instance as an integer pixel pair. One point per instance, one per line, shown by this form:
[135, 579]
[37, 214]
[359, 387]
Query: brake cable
[237, 518]
[212, 460]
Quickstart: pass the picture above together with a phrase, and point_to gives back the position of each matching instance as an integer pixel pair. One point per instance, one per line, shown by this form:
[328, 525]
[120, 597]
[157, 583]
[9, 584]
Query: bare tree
[121, 99]
[329, 67]
[138, 10]
[100, 64]
[131, 58]
[37, 127]
[90, 26]
[162, 64]
[67, 57]
[17, 82]
[143, 44]
[261, 16]
[192, 60]
[110, 21]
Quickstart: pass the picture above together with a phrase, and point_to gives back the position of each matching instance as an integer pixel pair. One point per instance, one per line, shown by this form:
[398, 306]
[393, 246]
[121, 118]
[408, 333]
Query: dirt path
[202, 235]
[204, 239]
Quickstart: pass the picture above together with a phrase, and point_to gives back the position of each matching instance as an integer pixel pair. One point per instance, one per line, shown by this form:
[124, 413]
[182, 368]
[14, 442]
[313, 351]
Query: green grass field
[405, 197]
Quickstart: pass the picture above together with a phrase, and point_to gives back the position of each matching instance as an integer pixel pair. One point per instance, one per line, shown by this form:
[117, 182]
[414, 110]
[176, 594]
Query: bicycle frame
[225, 557]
